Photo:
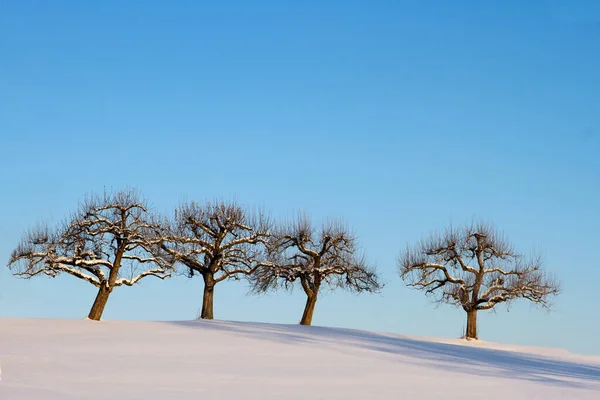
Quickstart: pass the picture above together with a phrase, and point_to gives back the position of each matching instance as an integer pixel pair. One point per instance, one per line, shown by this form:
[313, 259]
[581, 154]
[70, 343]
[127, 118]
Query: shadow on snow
[454, 357]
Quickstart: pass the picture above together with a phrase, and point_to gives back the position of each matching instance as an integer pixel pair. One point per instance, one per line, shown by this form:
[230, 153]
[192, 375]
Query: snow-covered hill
[80, 359]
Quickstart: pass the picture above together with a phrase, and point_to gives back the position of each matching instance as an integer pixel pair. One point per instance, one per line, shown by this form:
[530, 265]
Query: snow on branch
[158, 272]
[475, 268]
[104, 235]
[217, 238]
[300, 253]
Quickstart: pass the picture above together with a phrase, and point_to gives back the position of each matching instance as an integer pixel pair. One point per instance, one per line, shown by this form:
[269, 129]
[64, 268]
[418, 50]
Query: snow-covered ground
[81, 359]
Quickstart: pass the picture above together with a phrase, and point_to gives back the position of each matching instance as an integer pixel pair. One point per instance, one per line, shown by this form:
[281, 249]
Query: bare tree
[314, 257]
[219, 241]
[475, 268]
[108, 242]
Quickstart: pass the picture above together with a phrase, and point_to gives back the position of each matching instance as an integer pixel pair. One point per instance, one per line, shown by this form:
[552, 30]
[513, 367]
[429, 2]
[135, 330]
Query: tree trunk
[471, 332]
[100, 302]
[207, 299]
[308, 310]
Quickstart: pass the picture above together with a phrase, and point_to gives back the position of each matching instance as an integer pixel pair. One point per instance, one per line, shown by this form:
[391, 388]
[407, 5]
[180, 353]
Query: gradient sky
[400, 117]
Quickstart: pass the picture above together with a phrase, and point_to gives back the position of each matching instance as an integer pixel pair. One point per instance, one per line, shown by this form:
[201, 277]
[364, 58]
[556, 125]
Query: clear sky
[399, 116]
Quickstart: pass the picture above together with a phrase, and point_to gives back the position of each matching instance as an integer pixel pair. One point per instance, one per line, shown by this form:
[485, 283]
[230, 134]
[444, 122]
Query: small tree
[474, 268]
[314, 257]
[108, 242]
[218, 241]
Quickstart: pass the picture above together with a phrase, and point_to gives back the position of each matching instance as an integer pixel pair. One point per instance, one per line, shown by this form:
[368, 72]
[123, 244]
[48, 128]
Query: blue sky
[400, 117]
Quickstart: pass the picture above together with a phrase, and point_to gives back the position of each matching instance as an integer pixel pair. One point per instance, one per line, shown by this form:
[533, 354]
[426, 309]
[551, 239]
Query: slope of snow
[81, 359]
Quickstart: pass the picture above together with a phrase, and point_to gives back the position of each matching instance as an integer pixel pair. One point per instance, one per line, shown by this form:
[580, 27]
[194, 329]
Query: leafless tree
[109, 241]
[219, 241]
[475, 268]
[314, 257]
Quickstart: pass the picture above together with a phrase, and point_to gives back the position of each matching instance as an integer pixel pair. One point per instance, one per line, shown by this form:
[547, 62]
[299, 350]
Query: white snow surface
[82, 359]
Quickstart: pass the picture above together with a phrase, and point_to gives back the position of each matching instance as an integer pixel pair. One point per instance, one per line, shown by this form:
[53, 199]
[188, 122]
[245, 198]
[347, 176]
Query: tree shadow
[456, 357]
